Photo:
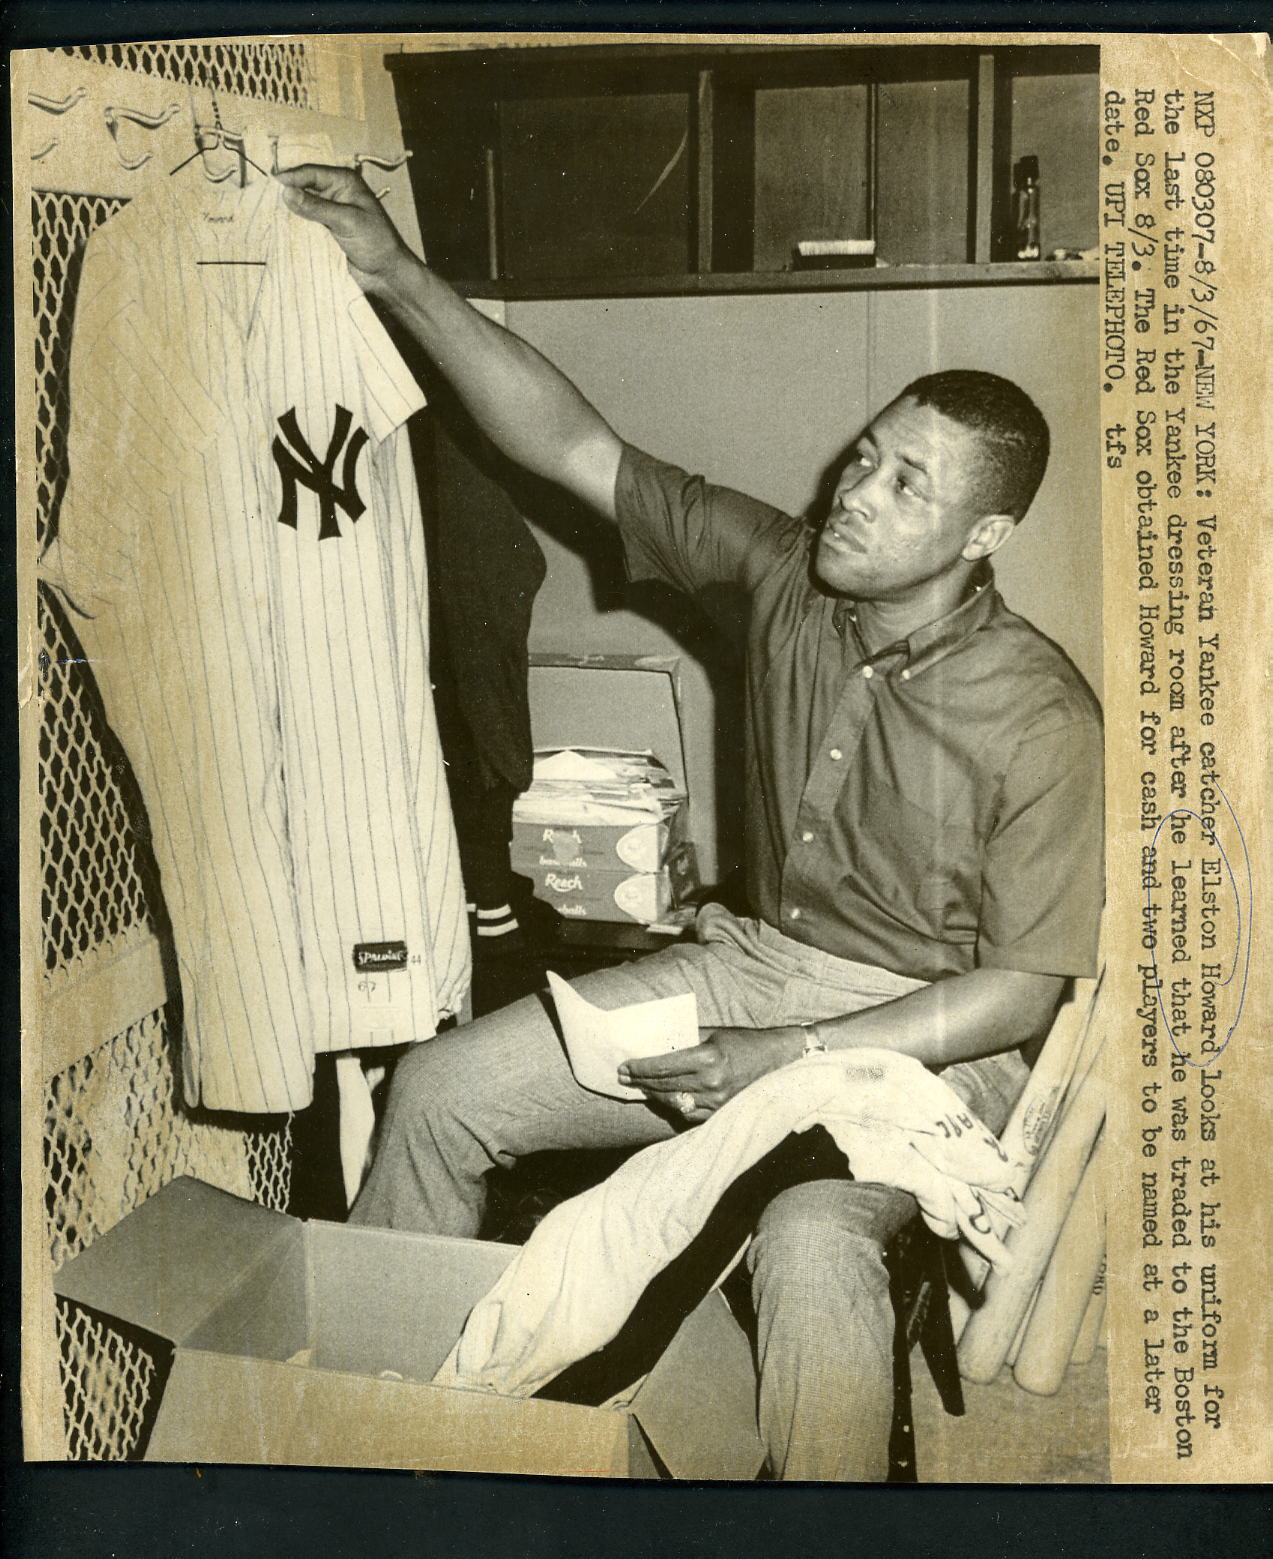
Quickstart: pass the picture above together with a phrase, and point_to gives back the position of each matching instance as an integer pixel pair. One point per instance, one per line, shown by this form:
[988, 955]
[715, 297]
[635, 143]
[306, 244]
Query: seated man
[923, 825]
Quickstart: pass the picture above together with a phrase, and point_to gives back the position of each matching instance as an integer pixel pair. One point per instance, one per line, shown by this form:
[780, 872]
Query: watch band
[814, 1042]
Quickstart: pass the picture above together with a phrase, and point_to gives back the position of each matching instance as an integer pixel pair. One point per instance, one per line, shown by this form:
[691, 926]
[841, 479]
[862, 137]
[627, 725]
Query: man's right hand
[340, 200]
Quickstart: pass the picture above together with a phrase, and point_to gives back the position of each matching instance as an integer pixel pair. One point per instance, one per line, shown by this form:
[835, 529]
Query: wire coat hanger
[210, 138]
[216, 135]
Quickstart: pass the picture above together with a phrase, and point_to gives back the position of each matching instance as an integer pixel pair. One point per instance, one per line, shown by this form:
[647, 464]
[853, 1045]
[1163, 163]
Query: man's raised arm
[524, 405]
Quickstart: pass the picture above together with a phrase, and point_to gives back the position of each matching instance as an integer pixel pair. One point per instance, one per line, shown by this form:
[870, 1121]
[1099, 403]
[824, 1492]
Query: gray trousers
[500, 1088]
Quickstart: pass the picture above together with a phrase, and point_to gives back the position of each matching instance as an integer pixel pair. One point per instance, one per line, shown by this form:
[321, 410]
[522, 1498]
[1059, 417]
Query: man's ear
[988, 536]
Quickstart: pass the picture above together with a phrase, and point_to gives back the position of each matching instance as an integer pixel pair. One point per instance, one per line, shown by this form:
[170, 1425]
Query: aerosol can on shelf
[1025, 209]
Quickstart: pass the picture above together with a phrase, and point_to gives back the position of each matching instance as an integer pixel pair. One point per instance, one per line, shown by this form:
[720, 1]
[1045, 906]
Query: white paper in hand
[598, 1042]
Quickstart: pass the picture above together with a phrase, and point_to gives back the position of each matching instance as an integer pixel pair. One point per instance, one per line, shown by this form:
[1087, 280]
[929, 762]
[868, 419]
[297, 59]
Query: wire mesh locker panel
[115, 1132]
[92, 893]
[277, 71]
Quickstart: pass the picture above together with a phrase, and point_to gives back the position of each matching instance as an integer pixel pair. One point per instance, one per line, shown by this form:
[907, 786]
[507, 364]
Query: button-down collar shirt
[930, 808]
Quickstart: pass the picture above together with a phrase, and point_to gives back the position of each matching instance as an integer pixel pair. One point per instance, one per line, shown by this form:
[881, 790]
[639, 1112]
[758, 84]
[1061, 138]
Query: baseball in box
[315, 1344]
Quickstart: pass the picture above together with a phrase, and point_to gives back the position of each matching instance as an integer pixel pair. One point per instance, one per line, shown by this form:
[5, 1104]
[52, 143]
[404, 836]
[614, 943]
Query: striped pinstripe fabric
[269, 683]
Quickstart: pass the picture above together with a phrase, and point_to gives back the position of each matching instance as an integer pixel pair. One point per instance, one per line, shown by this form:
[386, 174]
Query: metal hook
[115, 112]
[206, 138]
[219, 178]
[388, 164]
[217, 135]
[54, 105]
[132, 163]
[210, 138]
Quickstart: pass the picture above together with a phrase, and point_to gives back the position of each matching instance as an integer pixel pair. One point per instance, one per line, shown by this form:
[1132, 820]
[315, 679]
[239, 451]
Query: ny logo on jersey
[300, 465]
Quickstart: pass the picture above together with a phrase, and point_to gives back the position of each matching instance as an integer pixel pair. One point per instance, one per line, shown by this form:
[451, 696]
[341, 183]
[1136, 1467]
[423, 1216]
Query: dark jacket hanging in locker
[485, 568]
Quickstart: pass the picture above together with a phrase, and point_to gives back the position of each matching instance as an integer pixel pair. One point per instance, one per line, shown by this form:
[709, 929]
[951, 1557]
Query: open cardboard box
[241, 1290]
[623, 702]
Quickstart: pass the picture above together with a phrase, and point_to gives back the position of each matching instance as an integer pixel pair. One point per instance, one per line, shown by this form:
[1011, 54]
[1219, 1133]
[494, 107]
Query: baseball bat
[1066, 1054]
[1066, 1289]
[991, 1328]
[1022, 1329]
[1090, 1331]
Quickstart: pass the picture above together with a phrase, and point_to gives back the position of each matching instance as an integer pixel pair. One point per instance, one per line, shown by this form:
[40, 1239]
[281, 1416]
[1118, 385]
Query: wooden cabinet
[612, 170]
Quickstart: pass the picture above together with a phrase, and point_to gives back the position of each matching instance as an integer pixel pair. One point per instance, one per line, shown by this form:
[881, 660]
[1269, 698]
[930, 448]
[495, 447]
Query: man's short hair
[1012, 430]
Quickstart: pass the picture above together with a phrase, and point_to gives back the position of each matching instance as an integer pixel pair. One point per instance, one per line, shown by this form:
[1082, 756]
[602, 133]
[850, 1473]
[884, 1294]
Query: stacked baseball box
[602, 835]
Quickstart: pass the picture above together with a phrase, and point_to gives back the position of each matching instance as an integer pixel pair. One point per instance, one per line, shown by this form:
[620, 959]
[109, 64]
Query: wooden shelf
[645, 172]
[880, 278]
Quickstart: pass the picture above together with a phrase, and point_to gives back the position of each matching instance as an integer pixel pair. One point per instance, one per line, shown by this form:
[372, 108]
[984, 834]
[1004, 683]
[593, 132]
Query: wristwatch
[814, 1043]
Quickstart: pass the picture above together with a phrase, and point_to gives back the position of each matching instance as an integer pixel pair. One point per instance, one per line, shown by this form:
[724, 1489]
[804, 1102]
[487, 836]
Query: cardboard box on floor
[241, 1290]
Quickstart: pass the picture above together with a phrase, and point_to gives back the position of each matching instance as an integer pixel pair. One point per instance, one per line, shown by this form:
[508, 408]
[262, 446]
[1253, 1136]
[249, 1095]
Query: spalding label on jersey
[372, 956]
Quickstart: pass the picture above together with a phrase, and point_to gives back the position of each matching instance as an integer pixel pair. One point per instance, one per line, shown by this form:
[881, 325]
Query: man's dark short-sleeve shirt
[931, 810]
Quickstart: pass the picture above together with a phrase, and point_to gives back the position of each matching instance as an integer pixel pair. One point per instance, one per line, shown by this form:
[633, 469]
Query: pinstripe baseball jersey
[241, 540]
